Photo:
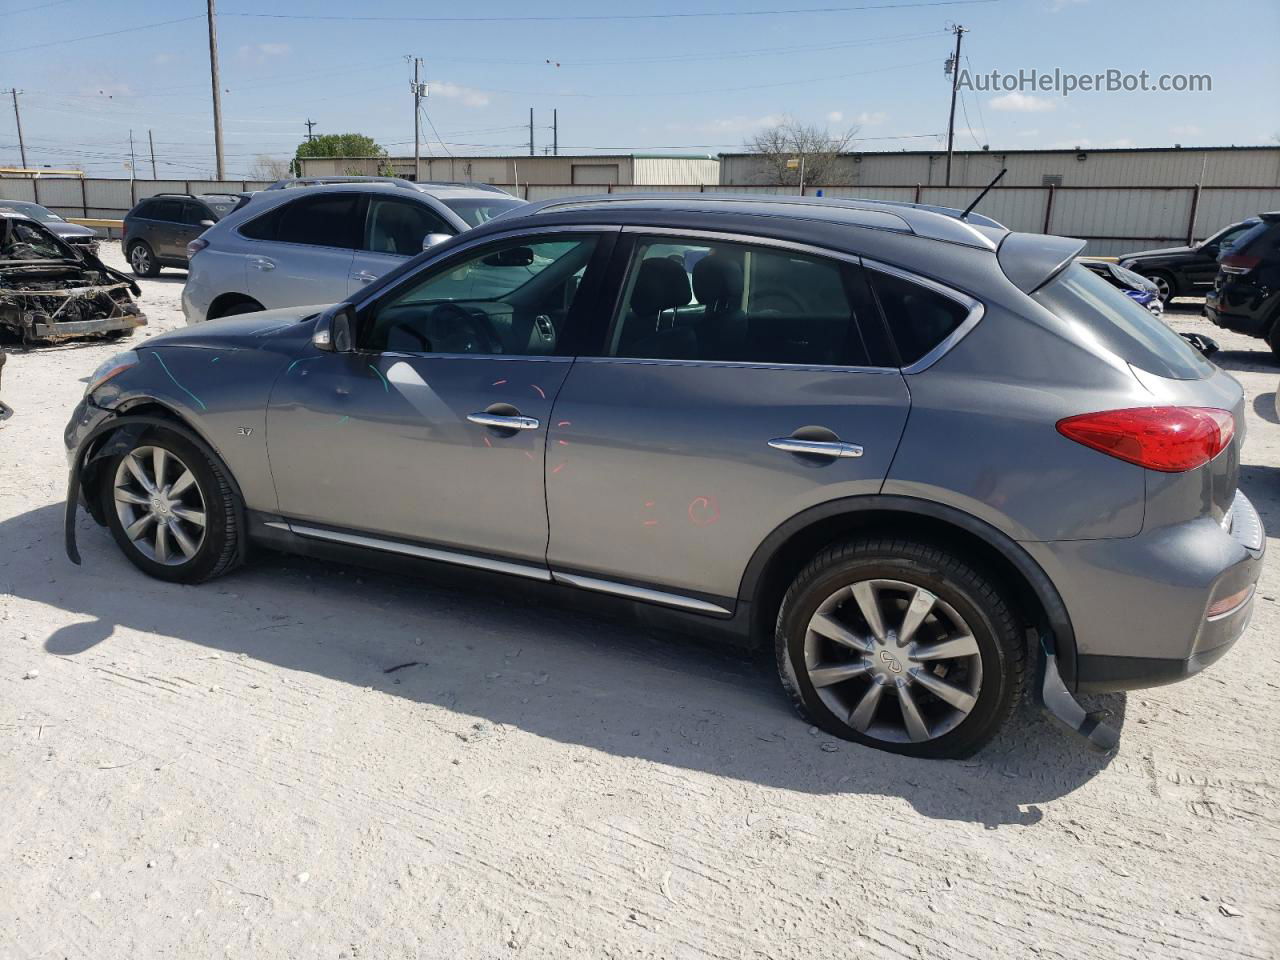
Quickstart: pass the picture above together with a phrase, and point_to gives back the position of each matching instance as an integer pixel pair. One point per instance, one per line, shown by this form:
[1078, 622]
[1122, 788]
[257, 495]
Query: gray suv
[158, 229]
[304, 241]
[932, 463]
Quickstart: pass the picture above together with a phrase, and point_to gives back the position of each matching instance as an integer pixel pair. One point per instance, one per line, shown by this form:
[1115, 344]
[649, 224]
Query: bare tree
[267, 167]
[791, 140]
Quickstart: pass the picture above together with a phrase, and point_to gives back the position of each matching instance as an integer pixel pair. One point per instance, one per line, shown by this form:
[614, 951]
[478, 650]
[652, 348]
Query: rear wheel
[235, 308]
[1273, 338]
[902, 646]
[143, 259]
[1165, 286]
[171, 509]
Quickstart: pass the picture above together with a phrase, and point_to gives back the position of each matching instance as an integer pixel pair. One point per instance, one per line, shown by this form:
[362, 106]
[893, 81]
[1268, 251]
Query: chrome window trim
[746, 364]
[973, 305]
[414, 550]
[639, 593]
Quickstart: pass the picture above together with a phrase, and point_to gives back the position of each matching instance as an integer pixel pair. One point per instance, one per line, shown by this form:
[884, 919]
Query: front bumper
[80, 328]
[1139, 605]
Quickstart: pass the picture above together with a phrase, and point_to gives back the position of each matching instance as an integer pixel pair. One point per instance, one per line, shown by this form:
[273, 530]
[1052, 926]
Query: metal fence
[1112, 219]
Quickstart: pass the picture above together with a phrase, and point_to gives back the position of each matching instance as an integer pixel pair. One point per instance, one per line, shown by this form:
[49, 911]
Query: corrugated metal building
[592, 170]
[1142, 167]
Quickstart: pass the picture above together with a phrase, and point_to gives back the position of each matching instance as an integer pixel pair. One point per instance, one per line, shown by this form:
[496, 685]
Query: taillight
[195, 246]
[1168, 439]
[1238, 263]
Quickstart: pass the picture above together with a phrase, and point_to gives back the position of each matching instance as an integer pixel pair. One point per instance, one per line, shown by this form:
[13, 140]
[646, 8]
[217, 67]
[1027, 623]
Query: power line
[626, 17]
[109, 33]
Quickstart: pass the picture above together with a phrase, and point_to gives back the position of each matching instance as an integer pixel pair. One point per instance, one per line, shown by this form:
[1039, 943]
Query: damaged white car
[48, 291]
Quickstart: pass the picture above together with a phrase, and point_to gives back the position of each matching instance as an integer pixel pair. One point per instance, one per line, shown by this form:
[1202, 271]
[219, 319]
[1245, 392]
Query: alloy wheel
[893, 660]
[139, 259]
[159, 504]
[1162, 286]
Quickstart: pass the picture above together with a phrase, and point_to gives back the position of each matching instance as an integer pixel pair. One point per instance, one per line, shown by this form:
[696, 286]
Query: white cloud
[262, 52]
[469, 96]
[872, 119]
[1185, 130]
[835, 116]
[1021, 103]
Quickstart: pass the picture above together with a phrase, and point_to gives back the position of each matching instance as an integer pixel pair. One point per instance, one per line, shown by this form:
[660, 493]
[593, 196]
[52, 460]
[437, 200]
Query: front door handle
[364, 276]
[816, 448]
[262, 263]
[501, 422]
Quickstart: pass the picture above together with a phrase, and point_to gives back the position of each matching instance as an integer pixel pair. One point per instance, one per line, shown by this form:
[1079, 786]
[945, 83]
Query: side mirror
[207, 223]
[431, 239]
[510, 257]
[333, 332]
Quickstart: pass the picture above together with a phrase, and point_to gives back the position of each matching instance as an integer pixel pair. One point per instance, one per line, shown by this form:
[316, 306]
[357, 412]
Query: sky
[677, 75]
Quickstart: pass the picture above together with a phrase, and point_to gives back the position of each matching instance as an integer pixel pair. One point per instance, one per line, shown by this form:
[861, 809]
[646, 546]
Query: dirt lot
[234, 770]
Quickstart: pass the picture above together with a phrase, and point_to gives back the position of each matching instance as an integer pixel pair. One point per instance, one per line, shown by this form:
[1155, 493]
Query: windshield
[478, 211]
[1121, 325]
[32, 210]
[23, 240]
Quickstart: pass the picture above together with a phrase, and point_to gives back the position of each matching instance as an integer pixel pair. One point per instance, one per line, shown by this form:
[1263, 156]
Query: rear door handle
[364, 276]
[816, 448]
[262, 263]
[501, 422]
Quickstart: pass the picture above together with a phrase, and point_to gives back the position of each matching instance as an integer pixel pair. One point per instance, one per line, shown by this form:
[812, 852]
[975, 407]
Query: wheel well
[799, 547]
[225, 301]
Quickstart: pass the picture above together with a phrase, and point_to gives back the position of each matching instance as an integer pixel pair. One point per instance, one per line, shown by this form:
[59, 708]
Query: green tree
[340, 145]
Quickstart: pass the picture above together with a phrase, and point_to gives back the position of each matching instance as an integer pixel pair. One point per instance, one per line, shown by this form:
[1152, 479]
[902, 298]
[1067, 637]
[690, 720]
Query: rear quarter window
[1121, 325]
[919, 318]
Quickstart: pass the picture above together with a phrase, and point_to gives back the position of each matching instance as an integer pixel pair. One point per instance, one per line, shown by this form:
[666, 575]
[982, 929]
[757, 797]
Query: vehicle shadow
[1264, 405]
[502, 652]
[1249, 361]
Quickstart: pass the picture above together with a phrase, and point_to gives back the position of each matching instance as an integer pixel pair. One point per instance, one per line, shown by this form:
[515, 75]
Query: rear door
[193, 212]
[303, 249]
[163, 217]
[740, 383]
[394, 229]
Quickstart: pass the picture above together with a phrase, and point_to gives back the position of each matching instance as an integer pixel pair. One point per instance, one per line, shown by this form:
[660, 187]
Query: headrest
[717, 281]
[661, 284]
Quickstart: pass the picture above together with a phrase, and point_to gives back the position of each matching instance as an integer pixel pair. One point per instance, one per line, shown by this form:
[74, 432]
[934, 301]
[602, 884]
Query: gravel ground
[234, 770]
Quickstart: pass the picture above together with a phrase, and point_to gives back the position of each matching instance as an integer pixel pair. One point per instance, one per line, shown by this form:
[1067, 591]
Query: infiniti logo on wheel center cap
[891, 661]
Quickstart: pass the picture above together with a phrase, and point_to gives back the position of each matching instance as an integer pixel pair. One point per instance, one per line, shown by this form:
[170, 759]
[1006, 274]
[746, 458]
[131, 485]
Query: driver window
[510, 298]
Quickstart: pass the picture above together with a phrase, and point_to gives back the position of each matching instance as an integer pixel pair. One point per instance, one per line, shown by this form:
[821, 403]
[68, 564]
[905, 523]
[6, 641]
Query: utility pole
[310, 124]
[419, 91]
[151, 140]
[132, 174]
[531, 131]
[959, 31]
[217, 91]
[555, 133]
[22, 147]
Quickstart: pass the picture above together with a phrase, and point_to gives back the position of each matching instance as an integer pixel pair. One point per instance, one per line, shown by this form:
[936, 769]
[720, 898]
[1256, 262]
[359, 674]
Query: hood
[1163, 252]
[249, 330]
[61, 228]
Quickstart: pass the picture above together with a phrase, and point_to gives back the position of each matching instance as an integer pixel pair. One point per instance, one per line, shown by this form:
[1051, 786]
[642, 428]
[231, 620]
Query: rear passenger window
[919, 318]
[398, 226]
[694, 300]
[328, 220]
[168, 210]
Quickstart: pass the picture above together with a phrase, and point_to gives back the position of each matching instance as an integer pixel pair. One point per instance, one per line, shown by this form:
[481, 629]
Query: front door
[394, 229]
[434, 429]
[737, 388]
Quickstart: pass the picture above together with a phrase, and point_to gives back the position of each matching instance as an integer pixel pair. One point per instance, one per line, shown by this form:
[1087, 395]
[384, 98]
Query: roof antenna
[985, 190]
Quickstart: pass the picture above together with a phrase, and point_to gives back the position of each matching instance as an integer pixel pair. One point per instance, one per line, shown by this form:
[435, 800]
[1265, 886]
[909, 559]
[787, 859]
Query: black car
[1246, 295]
[80, 238]
[1185, 271]
[158, 229]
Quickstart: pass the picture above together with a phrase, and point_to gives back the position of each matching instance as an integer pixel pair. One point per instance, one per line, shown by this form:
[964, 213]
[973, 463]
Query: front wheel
[171, 509]
[1164, 285]
[902, 646]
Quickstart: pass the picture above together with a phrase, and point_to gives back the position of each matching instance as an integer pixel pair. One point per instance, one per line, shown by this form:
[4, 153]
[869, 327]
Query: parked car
[158, 229]
[318, 245]
[80, 237]
[1134, 286]
[928, 461]
[48, 291]
[1185, 271]
[1246, 295]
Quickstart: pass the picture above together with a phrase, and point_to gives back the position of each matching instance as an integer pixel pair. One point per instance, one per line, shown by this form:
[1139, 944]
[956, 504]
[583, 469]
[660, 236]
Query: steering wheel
[449, 316]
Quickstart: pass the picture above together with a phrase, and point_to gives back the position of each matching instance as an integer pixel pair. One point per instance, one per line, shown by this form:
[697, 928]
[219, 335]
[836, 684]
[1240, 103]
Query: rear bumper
[80, 328]
[1140, 605]
[1231, 310]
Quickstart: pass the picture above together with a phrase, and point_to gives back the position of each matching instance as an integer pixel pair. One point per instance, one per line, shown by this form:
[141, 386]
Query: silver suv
[324, 240]
[932, 463]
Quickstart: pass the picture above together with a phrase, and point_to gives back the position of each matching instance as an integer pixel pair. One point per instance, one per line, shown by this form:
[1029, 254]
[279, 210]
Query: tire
[1273, 338]
[1165, 284]
[832, 683]
[237, 308]
[186, 551]
[143, 259]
